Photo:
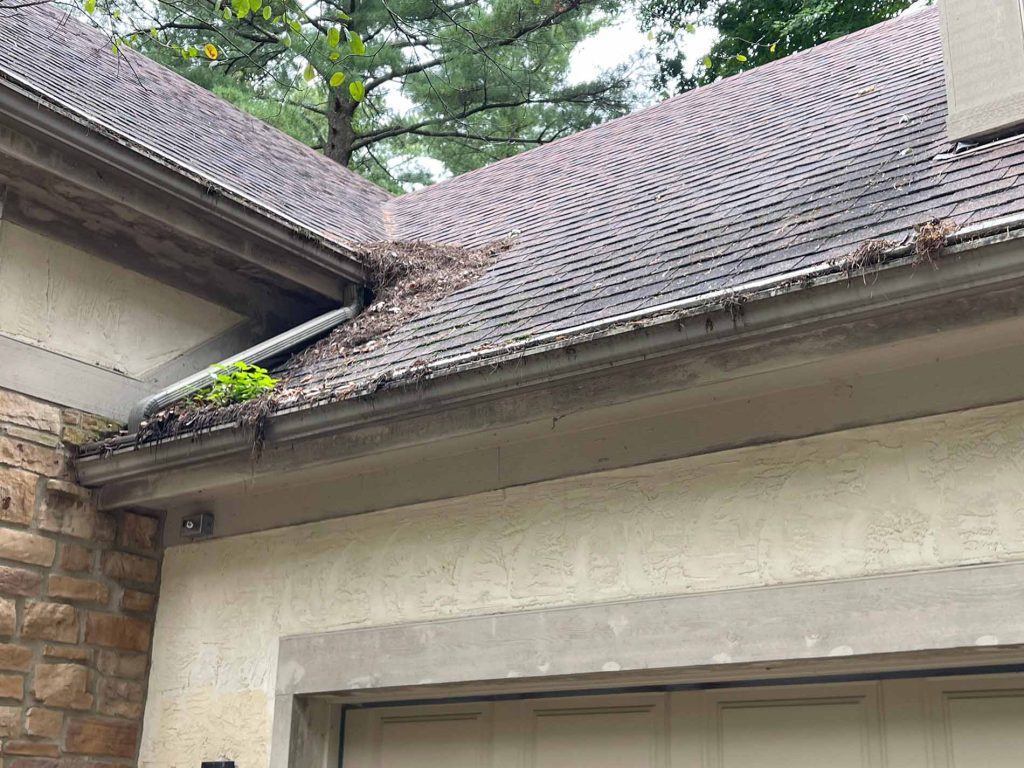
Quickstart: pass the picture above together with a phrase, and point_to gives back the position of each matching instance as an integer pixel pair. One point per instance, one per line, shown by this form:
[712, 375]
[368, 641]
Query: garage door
[948, 722]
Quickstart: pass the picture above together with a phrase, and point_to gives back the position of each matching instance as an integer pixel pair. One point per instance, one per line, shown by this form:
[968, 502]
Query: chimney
[983, 42]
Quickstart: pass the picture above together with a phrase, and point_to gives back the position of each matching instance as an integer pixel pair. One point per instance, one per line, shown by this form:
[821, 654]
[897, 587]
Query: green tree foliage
[378, 83]
[751, 32]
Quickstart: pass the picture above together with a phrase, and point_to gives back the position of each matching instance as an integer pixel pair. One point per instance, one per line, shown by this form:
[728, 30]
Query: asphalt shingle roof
[784, 167]
[70, 67]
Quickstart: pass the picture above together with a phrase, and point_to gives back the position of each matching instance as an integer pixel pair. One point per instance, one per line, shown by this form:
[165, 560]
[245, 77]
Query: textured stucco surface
[64, 300]
[928, 493]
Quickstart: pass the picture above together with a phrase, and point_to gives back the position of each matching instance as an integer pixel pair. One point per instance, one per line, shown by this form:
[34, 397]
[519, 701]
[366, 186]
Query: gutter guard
[258, 353]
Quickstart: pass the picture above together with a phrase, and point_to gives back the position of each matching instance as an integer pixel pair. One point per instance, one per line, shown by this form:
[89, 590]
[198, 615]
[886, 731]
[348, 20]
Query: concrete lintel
[305, 732]
[973, 614]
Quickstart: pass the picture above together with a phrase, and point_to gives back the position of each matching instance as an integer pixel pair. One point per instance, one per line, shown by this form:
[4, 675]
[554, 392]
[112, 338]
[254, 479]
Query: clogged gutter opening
[407, 279]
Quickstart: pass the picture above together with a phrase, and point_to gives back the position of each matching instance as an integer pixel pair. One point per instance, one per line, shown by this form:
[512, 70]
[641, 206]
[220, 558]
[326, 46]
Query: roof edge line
[19, 88]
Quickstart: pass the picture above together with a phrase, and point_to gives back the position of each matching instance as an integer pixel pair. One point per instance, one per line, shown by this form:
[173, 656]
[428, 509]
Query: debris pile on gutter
[190, 417]
[411, 277]
[929, 240]
[925, 245]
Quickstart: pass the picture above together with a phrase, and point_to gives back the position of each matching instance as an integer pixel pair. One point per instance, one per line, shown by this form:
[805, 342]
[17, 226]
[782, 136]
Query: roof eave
[785, 305]
[310, 258]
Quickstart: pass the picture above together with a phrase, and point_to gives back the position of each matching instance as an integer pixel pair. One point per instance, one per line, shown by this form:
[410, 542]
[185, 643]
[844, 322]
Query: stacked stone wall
[78, 590]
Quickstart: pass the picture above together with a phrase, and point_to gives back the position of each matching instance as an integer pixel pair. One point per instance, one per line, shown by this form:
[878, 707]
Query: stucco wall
[67, 301]
[921, 494]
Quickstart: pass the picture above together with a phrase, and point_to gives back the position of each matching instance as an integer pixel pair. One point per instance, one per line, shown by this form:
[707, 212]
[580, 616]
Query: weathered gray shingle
[789, 165]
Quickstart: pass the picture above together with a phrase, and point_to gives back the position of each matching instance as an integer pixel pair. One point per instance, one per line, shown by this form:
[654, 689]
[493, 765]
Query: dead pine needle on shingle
[930, 239]
[407, 279]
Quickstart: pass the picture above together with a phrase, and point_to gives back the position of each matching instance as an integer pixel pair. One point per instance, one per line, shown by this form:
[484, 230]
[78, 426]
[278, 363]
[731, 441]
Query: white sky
[618, 43]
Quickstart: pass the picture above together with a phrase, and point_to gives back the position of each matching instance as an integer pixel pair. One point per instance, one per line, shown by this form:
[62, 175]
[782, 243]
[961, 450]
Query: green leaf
[255, 5]
[333, 37]
[337, 79]
[90, 6]
[227, 14]
[334, 56]
[295, 25]
[343, 16]
[691, 28]
[357, 90]
[356, 45]
[707, 62]
[286, 40]
[771, 48]
[740, 57]
[308, 73]
[267, 13]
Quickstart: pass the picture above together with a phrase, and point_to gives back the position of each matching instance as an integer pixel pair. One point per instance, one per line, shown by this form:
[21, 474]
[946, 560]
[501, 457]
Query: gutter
[265, 350]
[35, 117]
[766, 307]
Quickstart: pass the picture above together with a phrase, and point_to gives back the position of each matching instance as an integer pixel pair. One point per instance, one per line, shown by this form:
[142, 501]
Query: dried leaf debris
[406, 280]
[930, 239]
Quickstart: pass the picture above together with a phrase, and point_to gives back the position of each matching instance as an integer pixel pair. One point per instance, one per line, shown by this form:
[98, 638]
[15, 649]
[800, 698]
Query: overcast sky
[616, 44]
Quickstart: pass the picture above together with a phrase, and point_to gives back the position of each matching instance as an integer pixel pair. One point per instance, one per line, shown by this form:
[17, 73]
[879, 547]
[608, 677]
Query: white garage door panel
[978, 726]
[446, 736]
[794, 735]
[597, 736]
[952, 722]
[441, 742]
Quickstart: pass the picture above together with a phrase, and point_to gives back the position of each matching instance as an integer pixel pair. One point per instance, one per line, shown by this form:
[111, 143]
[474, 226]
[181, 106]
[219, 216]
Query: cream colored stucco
[67, 301]
[921, 494]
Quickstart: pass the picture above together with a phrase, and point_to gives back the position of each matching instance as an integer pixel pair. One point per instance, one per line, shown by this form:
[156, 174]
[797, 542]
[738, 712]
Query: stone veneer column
[78, 593]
